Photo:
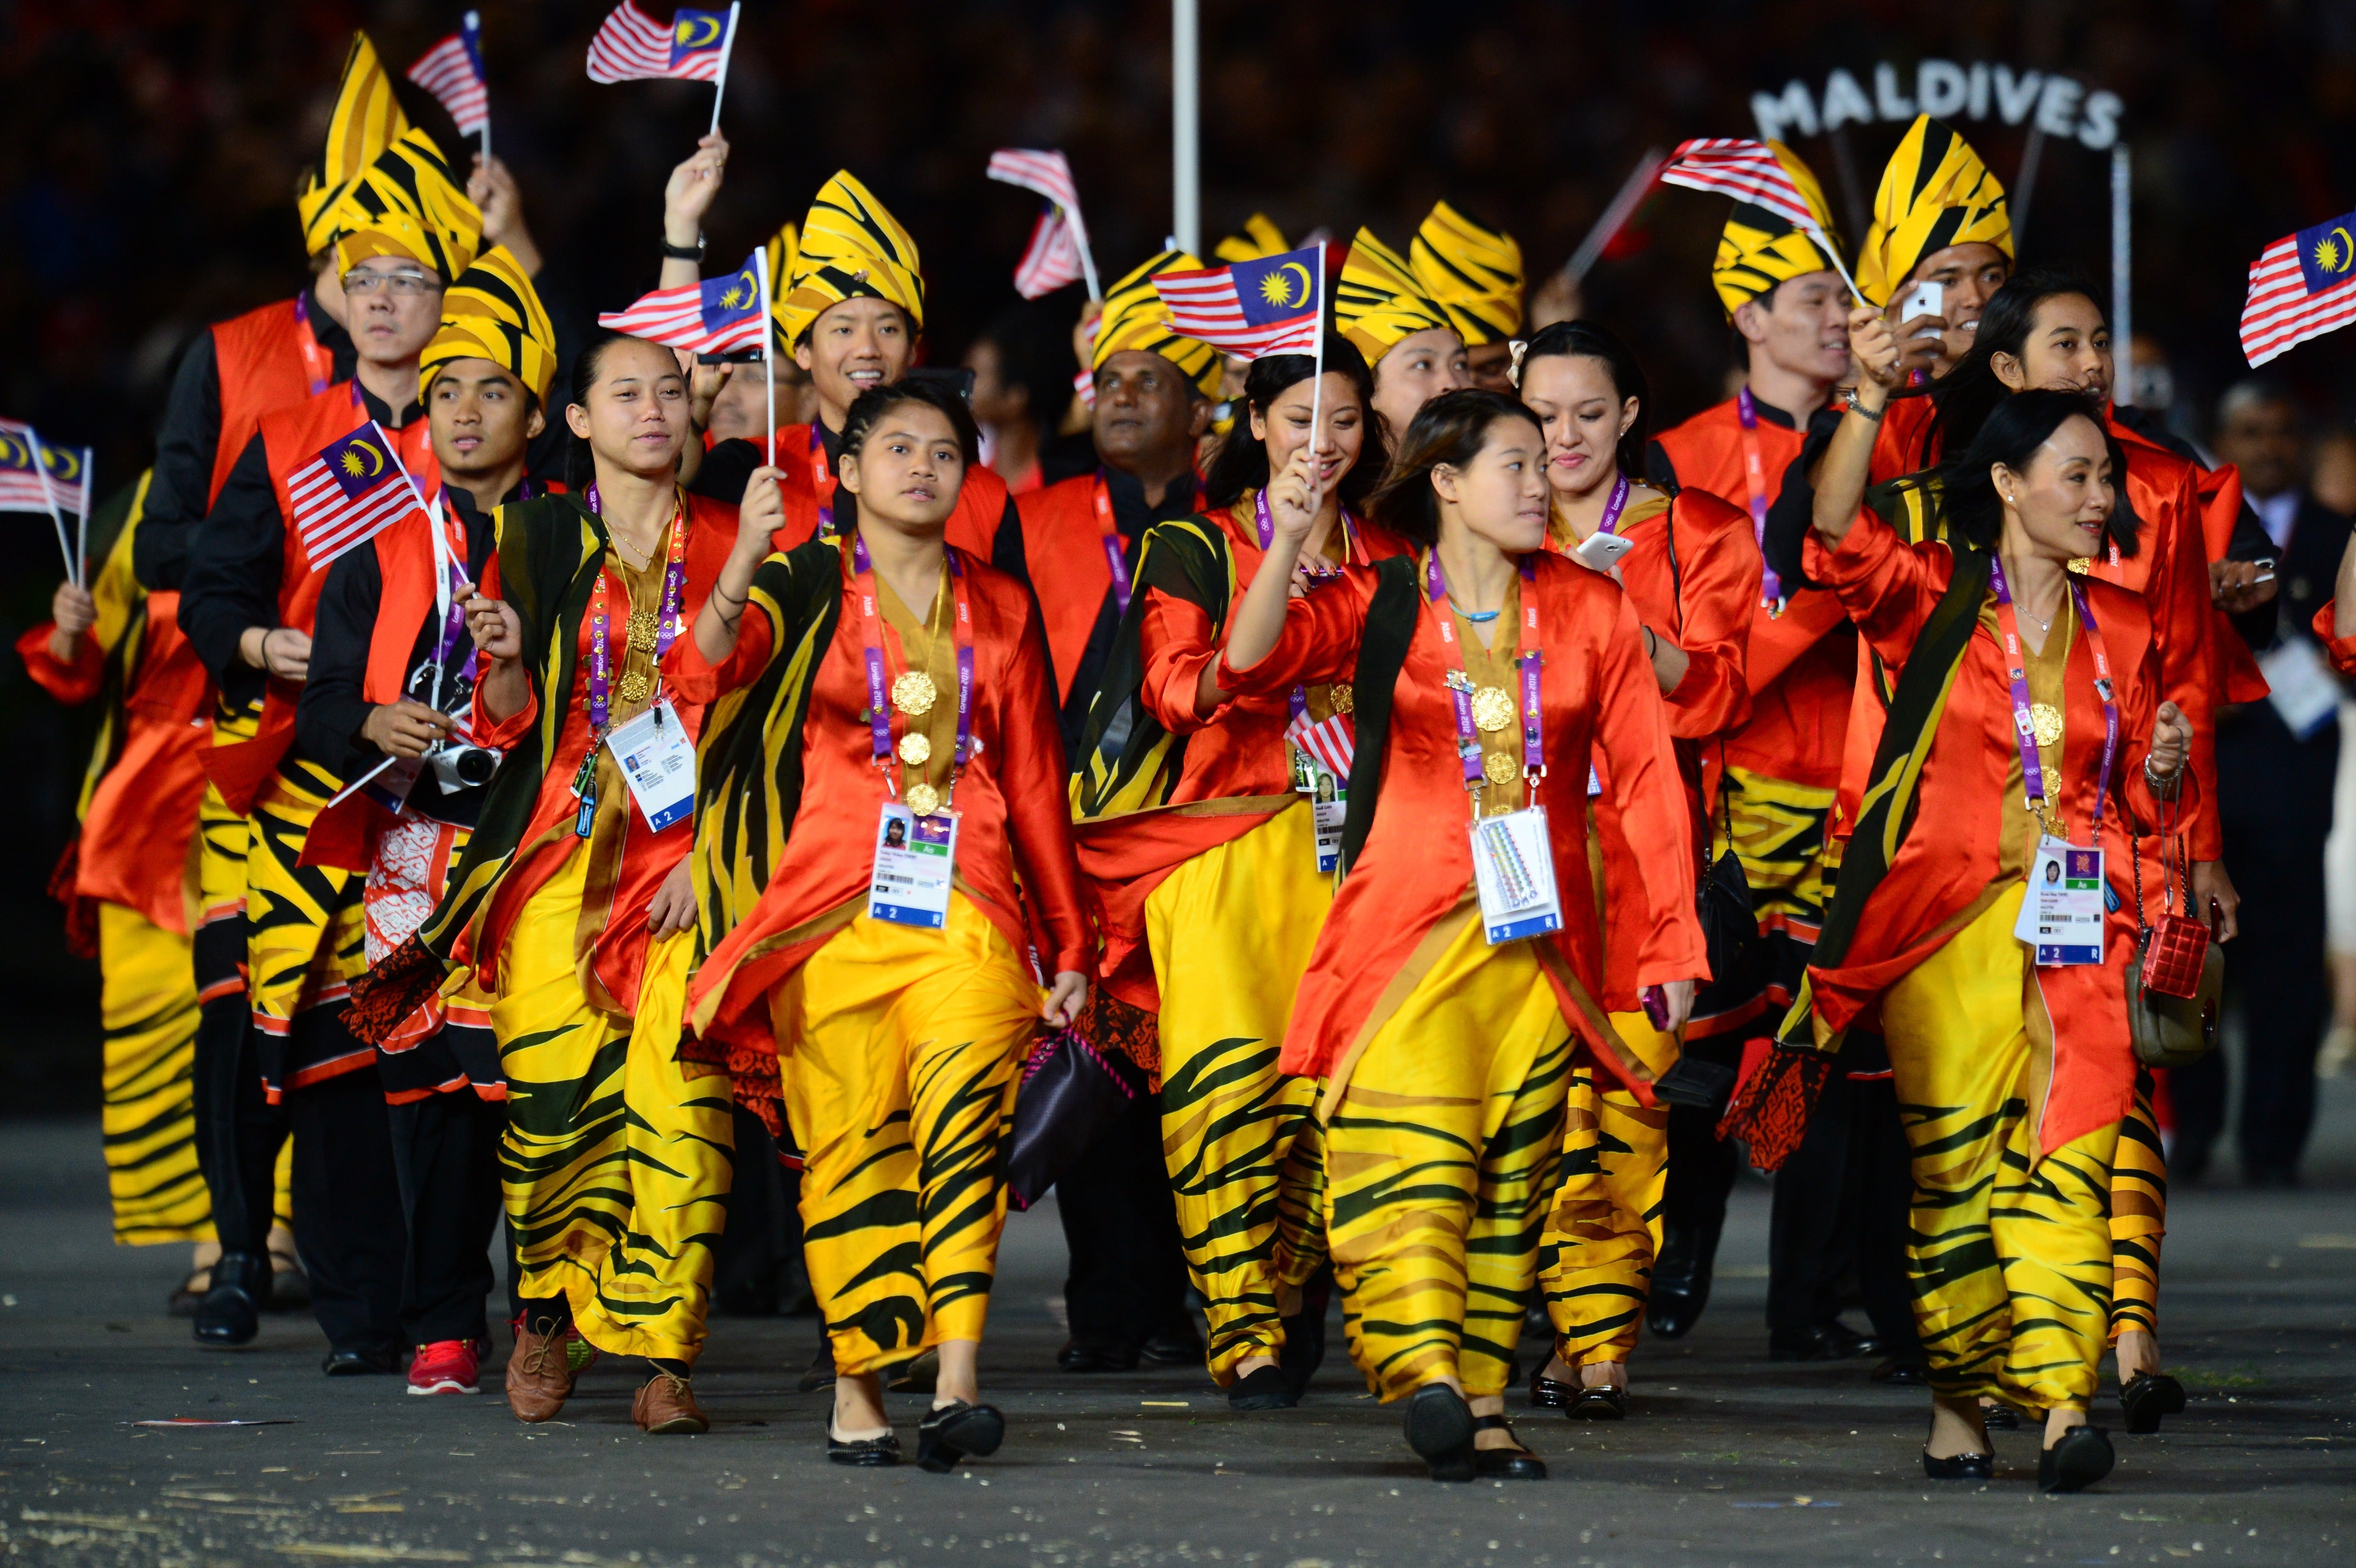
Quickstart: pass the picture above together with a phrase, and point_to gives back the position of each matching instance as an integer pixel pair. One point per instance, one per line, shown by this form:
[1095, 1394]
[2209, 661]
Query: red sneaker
[446, 1366]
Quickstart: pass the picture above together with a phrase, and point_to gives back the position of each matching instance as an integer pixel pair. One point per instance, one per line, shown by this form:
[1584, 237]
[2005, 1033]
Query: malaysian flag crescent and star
[1271, 305]
[720, 315]
[631, 45]
[2301, 286]
[352, 491]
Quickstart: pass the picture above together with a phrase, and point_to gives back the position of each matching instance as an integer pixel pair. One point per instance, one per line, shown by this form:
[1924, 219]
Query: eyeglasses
[403, 285]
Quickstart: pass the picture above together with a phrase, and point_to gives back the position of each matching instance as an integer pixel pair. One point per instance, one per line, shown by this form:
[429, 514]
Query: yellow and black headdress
[1378, 301]
[1259, 238]
[1474, 273]
[1135, 317]
[1760, 249]
[409, 203]
[366, 120]
[850, 246]
[1935, 193]
[493, 313]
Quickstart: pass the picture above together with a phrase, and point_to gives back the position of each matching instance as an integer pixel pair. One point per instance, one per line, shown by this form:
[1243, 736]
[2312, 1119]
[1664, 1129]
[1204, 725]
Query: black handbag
[1069, 1089]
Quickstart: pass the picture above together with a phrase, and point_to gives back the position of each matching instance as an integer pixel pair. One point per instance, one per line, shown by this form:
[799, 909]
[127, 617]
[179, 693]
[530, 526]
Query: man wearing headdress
[404, 229]
[1789, 310]
[1081, 539]
[1476, 274]
[392, 671]
[1381, 306]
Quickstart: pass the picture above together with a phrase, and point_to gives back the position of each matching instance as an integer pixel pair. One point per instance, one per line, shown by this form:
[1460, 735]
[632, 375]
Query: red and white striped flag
[1330, 743]
[452, 70]
[1747, 171]
[633, 47]
[2301, 286]
[1271, 305]
[718, 315]
[352, 491]
[1058, 253]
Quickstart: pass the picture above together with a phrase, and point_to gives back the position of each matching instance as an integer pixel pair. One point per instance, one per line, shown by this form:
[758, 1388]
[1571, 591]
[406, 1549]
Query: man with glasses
[404, 231]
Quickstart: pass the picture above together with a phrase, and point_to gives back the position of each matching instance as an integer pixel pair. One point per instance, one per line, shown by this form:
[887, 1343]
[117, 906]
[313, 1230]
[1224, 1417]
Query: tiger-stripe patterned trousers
[900, 1049]
[1231, 931]
[1603, 1230]
[1441, 1145]
[2009, 1254]
[147, 1007]
[618, 1158]
[305, 935]
[2138, 1216]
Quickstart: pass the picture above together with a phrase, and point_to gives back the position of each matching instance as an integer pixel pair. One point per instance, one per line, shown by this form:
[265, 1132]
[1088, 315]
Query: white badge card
[1512, 870]
[1330, 802]
[657, 761]
[2062, 915]
[914, 858]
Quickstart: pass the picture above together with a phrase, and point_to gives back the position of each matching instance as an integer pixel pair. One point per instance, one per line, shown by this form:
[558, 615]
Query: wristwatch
[1847, 396]
[684, 252]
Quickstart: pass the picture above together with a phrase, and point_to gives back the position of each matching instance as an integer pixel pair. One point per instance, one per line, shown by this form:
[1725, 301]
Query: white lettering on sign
[2058, 105]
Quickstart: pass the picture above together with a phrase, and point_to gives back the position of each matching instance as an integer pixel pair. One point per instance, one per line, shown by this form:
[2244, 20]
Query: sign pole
[2122, 278]
[1186, 131]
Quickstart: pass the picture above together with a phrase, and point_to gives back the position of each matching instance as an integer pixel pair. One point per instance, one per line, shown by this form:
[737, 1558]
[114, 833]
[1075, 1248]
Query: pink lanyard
[2024, 725]
[319, 364]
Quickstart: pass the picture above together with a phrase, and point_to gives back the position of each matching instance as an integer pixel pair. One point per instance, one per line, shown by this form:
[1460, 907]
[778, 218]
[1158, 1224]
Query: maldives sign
[2057, 105]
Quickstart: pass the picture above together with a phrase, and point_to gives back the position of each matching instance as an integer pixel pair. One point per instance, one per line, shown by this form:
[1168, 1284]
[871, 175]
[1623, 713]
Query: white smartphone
[1929, 299]
[1602, 552]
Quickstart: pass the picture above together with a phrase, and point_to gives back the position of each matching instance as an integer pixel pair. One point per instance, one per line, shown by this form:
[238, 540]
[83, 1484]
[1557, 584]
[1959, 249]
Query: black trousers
[1702, 1167]
[348, 1230]
[445, 1150]
[2275, 801]
[1840, 1208]
[757, 1269]
[1128, 1278]
[239, 1132]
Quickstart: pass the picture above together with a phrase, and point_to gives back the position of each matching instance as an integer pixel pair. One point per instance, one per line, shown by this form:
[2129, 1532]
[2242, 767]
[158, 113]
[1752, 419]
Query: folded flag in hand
[352, 491]
[2301, 286]
[1331, 743]
[719, 315]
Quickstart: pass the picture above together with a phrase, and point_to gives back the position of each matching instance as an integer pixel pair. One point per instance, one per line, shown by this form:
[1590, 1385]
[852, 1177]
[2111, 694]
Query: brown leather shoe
[667, 1404]
[539, 1378]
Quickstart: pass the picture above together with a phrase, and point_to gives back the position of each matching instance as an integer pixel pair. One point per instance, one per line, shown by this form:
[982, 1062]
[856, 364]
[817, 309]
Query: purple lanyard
[1460, 684]
[667, 624]
[2024, 726]
[820, 482]
[319, 364]
[1614, 507]
[453, 624]
[1754, 479]
[1114, 556]
[1317, 569]
[879, 701]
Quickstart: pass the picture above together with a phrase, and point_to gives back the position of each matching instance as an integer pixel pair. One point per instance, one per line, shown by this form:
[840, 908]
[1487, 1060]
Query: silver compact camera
[457, 765]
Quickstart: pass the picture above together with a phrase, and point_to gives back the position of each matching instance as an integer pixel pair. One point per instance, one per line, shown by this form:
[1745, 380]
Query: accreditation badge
[2062, 916]
[657, 761]
[1512, 871]
[1330, 801]
[914, 858]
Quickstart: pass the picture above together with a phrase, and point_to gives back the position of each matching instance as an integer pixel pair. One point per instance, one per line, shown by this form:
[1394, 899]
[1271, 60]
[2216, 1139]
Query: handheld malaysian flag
[1750, 171]
[1272, 305]
[631, 45]
[353, 490]
[1058, 252]
[37, 477]
[719, 315]
[452, 70]
[1331, 743]
[2301, 286]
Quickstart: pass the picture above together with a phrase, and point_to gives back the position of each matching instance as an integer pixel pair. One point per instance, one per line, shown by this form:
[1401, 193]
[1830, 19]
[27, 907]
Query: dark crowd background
[149, 151]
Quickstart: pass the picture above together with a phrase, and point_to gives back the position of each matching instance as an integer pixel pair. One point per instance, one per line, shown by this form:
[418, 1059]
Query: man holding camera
[391, 677]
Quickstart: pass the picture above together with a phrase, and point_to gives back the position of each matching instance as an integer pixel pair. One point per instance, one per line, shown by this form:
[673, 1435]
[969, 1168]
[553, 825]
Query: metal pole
[1185, 150]
[2122, 278]
[2024, 185]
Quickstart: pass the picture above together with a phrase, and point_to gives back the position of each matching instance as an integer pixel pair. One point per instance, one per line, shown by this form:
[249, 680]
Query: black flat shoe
[819, 1373]
[361, 1363]
[1440, 1429]
[1831, 1341]
[182, 1302]
[1304, 1349]
[1551, 1394]
[1601, 1402]
[2083, 1458]
[289, 1287]
[2149, 1397]
[1959, 1466]
[868, 1453]
[230, 1314]
[1514, 1464]
[958, 1431]
[1086, 1356]
[1265, 1389]
[1176, 1346]
[1899, 1373]
[2000, 1418]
